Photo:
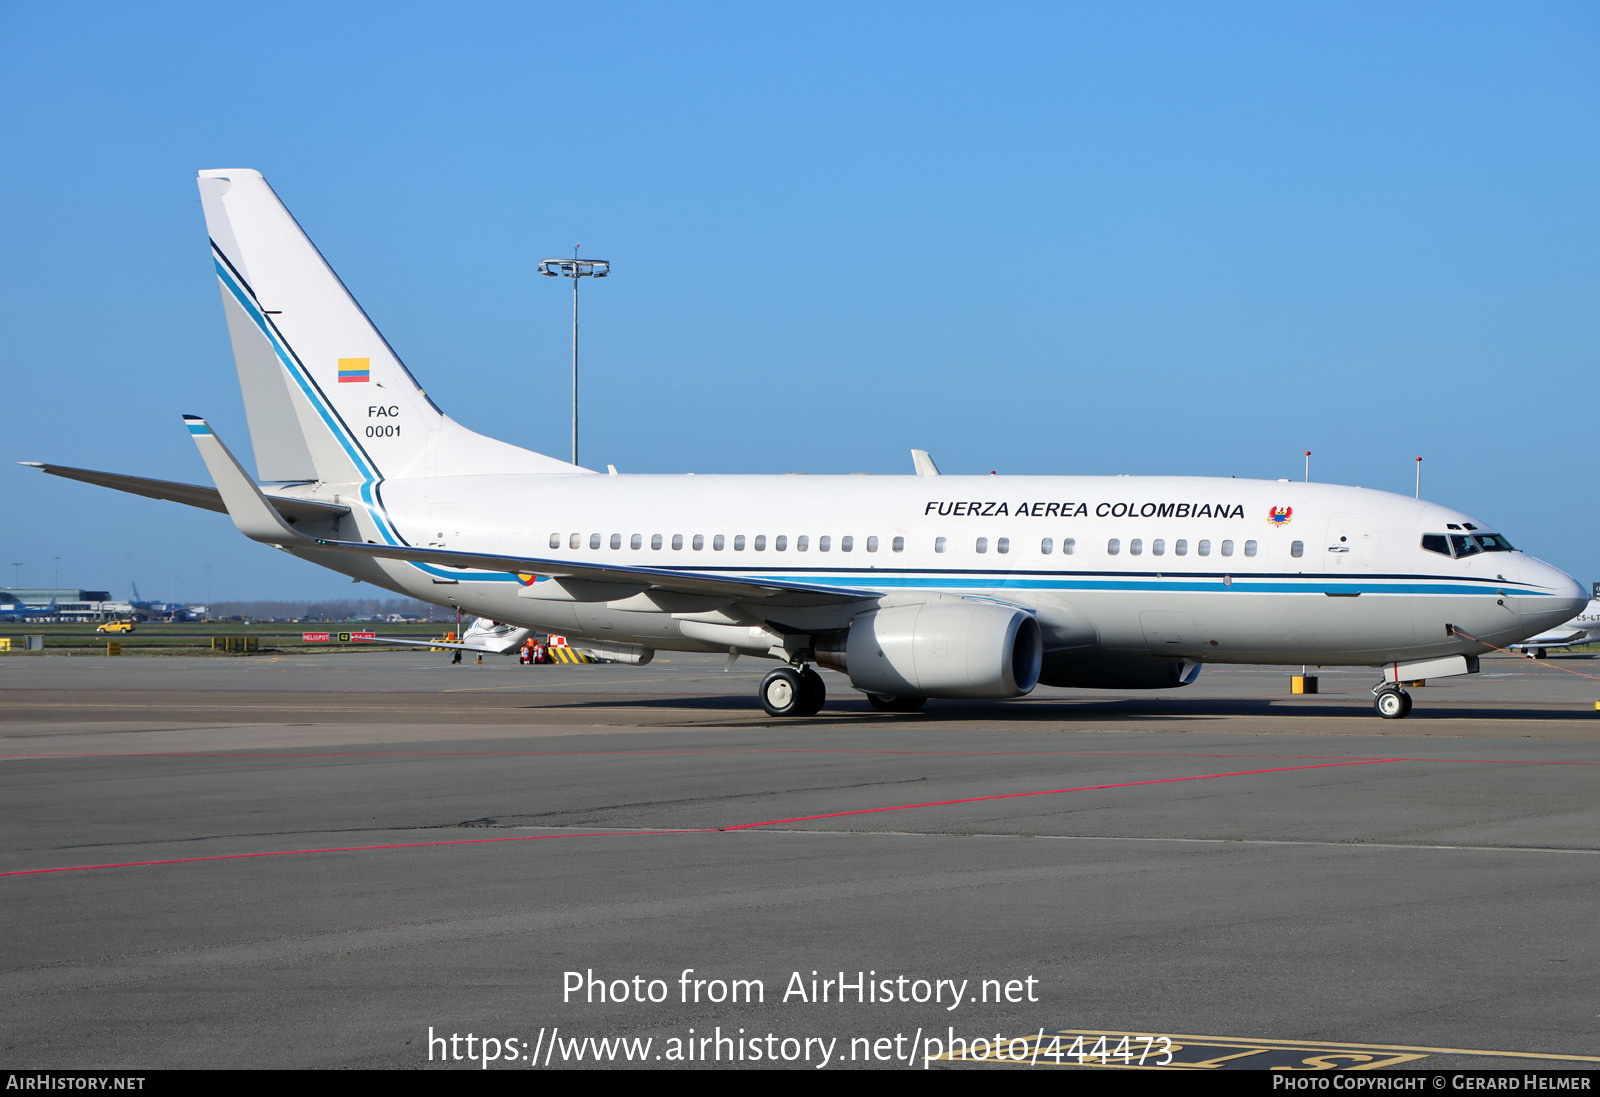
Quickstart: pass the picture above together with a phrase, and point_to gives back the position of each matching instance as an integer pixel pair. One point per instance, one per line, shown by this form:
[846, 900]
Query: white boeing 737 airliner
[912, 586]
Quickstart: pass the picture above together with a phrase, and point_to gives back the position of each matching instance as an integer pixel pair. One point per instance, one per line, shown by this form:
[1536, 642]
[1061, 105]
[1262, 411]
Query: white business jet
[911, 586]
[1582, 629]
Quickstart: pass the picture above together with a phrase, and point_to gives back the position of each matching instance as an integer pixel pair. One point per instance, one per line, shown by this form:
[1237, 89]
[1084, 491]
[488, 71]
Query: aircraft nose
[1560, 598]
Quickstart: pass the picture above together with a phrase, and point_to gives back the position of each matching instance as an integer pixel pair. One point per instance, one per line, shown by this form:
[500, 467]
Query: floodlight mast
[575, 269]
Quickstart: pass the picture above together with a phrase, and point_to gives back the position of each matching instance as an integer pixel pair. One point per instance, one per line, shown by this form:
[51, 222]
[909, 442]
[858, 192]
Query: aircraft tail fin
[326, 396]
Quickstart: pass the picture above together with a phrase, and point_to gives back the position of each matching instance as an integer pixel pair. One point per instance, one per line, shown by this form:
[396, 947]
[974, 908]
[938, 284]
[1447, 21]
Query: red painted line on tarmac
[1057, 792]
[747, 826]
[717, 752]
[352, 849]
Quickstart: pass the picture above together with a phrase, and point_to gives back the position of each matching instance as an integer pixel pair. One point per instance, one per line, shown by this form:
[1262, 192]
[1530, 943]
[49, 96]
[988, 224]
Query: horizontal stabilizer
[191, 495]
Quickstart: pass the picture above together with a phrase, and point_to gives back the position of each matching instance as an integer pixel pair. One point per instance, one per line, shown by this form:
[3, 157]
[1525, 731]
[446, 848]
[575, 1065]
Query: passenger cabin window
[1047, 545]
[555, 540]
[1297, 549]
[655, 541]
[738, 542]
[1136, 547]
[677, 542]
[983, 544]
[846, 544]
[1003, 545]
[761, 542]
[938, 544]
[899, 544]
[1204, 548]
[616, 541]
[1158, 547]
[802, 542]
[575, 541]
[718, 543]
[824, 543]
[594, 540]
[872, 544]
[1113, 546]
[699, 541]
[1227, 548]
[1069, 545]
[1180, 547]
[780, 542]
[636, 541]
[1249, 548]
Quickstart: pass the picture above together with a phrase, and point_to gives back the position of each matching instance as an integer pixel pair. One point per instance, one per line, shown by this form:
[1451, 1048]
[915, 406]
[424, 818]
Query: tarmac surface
[356, 860]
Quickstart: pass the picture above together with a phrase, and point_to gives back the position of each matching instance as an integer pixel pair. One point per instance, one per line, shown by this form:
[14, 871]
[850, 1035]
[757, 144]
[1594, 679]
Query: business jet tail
[327, 397]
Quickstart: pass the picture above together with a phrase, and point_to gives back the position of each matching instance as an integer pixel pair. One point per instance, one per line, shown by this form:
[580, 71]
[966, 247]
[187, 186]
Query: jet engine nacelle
[942, 649]
[1119, 673]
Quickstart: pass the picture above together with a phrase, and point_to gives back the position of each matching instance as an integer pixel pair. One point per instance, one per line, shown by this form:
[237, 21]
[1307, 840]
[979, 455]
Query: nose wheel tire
[790, 692]
[1392, 704]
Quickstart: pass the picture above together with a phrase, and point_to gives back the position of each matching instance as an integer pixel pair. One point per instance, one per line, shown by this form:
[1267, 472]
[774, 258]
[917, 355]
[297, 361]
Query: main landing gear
[788, 691]
[1392, 702]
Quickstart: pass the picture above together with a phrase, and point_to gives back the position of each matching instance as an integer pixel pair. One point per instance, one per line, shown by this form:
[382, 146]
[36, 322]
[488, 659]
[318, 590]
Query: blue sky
[1039, 238]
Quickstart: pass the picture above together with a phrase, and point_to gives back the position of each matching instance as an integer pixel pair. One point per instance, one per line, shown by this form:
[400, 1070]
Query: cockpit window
[1464, 544]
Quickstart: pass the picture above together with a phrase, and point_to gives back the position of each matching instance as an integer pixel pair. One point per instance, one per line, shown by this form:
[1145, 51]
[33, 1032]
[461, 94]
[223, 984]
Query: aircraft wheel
[1392, 704]
[1539, 654]
[783, 693]
[896, 704]
[814, 692]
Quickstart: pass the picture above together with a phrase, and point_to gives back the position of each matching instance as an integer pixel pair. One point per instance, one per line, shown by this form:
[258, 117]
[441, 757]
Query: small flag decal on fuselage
[355, 369]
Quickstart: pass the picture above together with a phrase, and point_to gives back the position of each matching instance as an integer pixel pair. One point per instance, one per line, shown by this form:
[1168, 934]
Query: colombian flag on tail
[355, 369]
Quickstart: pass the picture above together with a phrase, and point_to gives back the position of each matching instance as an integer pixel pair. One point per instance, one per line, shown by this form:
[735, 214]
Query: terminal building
[61, 604]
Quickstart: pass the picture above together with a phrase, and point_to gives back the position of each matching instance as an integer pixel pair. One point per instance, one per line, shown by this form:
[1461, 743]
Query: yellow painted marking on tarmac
[1343, 1044]
[1225, 1052]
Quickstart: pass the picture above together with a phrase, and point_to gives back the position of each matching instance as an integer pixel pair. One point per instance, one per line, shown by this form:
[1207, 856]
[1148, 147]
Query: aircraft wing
[192, 495]
[1557, 638]
[256, 517]
[634, 579]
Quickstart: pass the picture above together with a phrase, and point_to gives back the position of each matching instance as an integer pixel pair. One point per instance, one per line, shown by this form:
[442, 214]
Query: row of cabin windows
[1158, 547]
[847, 543]
[719, 542]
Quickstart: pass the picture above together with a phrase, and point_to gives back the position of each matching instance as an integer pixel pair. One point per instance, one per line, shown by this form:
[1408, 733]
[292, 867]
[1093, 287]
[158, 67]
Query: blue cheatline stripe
[330, 420]
[364, 466]
[198, 428]
[1240, 585]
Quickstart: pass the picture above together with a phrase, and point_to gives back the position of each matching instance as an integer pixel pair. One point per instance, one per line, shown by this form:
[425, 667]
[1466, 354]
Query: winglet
[246, 504]
[923, 463]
